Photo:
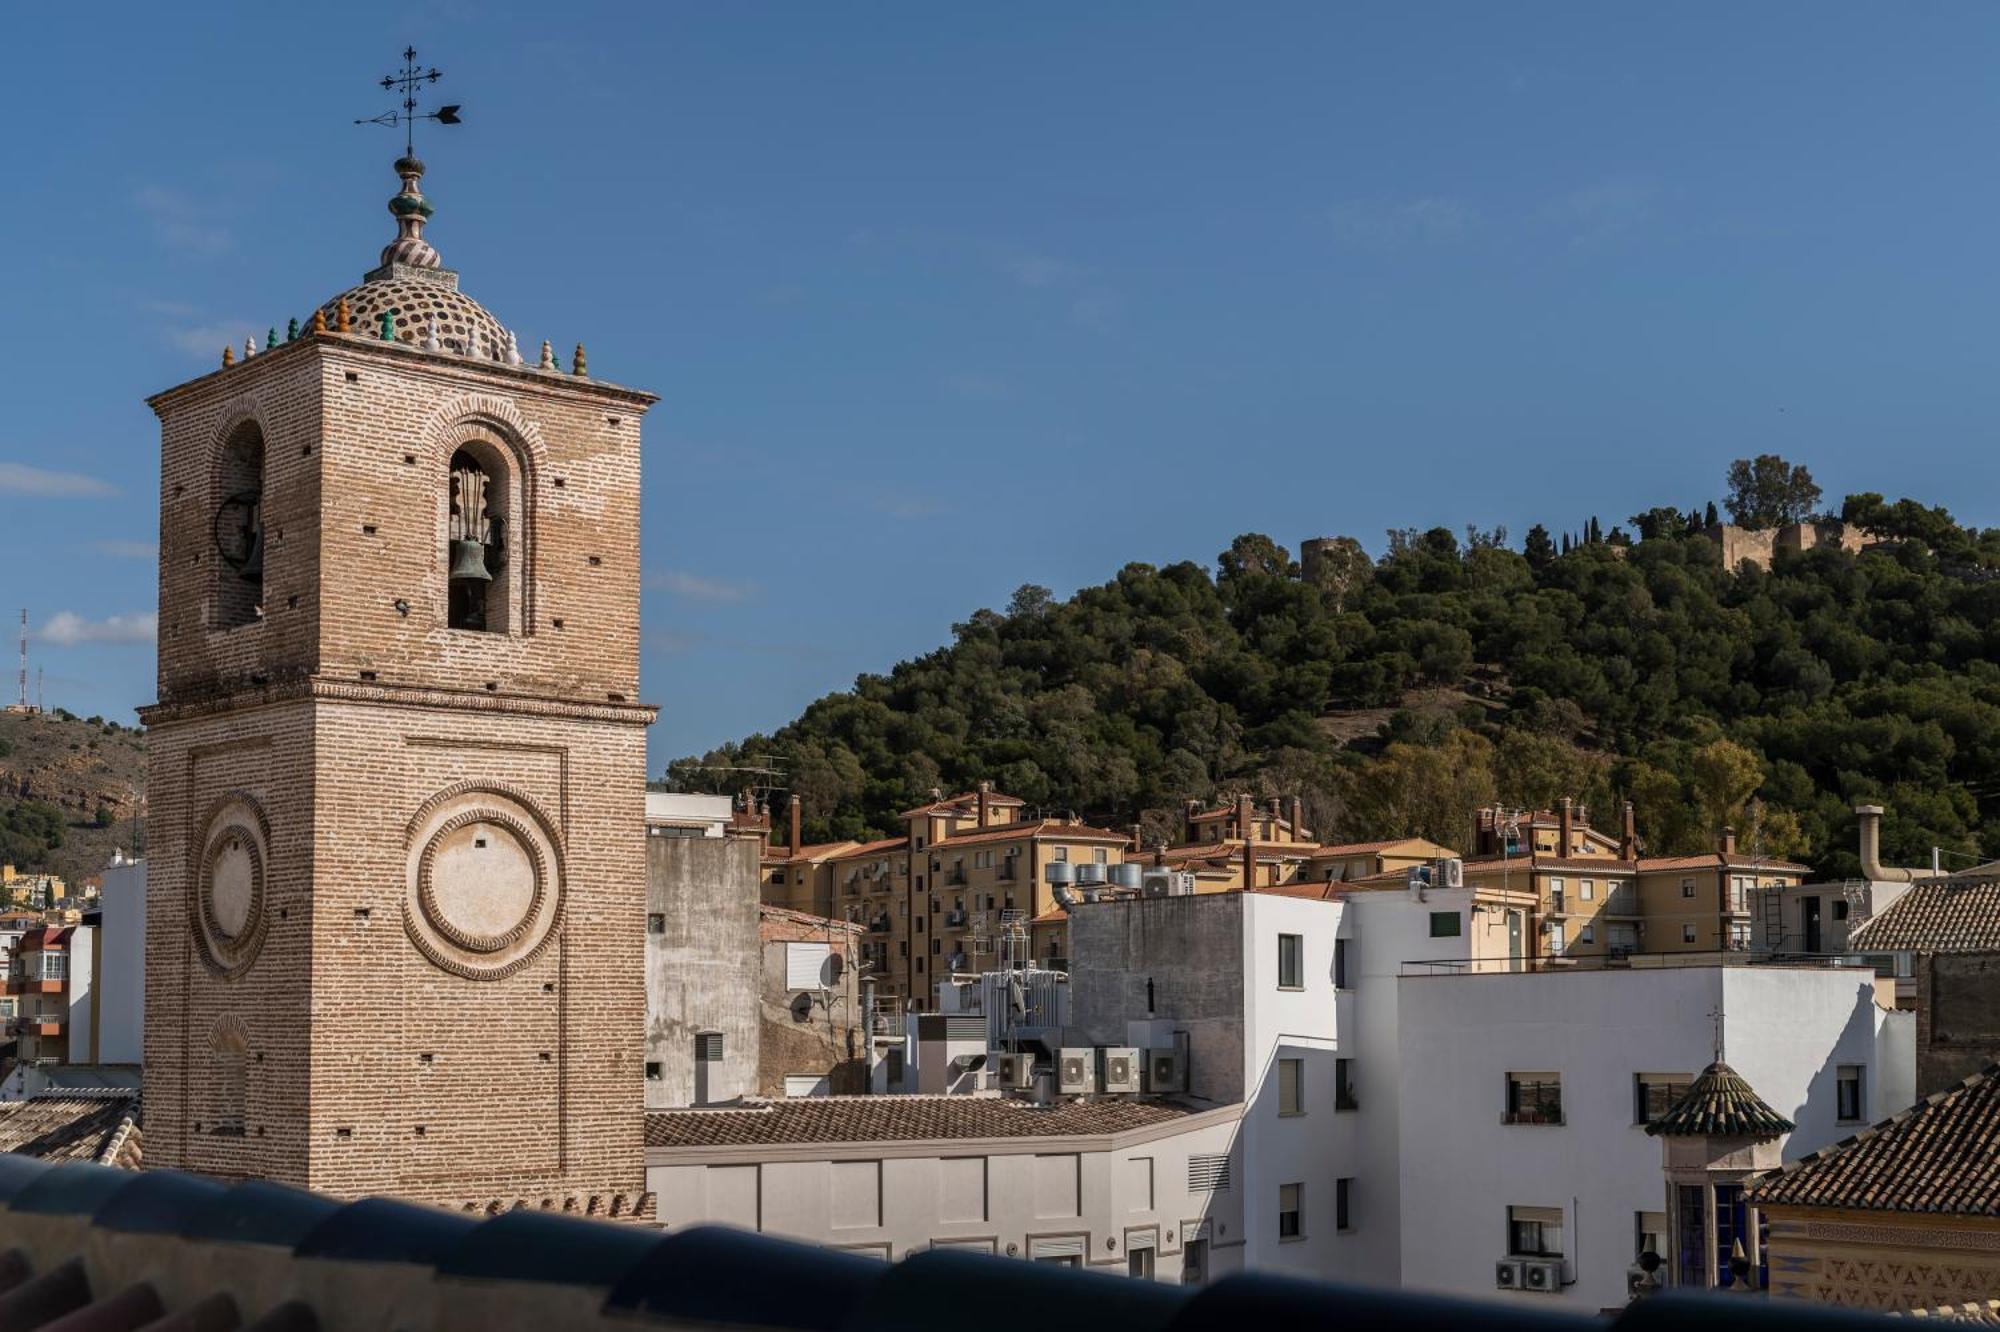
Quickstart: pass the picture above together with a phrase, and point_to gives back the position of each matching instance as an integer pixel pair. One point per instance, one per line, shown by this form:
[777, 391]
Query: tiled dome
[414, 301]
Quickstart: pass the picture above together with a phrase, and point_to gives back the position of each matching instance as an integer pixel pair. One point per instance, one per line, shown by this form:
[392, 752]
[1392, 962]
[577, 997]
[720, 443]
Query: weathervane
[407, 83]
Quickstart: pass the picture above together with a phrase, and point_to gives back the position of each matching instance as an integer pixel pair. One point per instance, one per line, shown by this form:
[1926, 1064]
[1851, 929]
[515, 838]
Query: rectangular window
[1138, 1263]
[708, 1046]
[1343, 1085]
[1340, 964]
[1291, 962]
[807, 965]
[1343, 1196]
[1445, 924]
[1291, 1086]
[1291, 1222]
[1556, 939]
[1586, 889]
[1654, 1093]
[652, 1070]
[656, 923]
[1850, 1094]
[1062, 853]
[1649, 1234]
[1101, 856]
[1687, 934]
[1687, 887]
[1534, 1098]
[1535, 1232]
[1587, 934]
[1208, 1173]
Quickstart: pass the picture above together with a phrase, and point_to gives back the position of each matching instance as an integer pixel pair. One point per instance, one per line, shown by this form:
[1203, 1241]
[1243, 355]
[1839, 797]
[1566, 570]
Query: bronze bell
[253, 563]
[468, 560]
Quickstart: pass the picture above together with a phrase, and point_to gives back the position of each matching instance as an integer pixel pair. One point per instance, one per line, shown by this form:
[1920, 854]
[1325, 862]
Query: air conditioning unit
[1544, 1274]
[1452, 872]
[1166, 1071]
[1012, 1070]
[1122, 1072]
[1090, 873]
[1507, 1274]
[1076, 1072]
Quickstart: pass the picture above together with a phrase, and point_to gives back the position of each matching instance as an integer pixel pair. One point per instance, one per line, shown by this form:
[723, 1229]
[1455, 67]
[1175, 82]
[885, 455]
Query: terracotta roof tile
[1941, 1155]
[862, 850]
[1713, 860]
[898, 1119]
[1942, 916]
[1720, 1104]
[1053, 830]
[70, 1127]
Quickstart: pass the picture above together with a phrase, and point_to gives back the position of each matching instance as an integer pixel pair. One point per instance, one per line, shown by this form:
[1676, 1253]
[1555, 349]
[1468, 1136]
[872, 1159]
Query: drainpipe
[1870, 819]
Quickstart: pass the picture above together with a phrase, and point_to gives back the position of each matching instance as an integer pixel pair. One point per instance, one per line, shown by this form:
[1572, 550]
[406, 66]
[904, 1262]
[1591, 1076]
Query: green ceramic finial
[271, 339]
[388, 326]
[292, 331]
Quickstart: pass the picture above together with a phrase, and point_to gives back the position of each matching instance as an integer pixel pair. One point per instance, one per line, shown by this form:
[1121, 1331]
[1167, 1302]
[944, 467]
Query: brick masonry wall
[372, 1068]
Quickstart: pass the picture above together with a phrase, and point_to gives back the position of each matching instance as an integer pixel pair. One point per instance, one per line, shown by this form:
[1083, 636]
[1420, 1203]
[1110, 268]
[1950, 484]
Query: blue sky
[945, 299]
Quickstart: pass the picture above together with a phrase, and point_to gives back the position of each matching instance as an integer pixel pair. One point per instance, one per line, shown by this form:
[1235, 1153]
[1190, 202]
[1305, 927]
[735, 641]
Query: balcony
[36, 1024]
[955, 879]
[34, 985]
[879, 925]
[954, 920]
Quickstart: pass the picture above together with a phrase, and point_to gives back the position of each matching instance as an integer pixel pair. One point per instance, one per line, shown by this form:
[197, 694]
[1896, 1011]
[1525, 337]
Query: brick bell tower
[396, 918]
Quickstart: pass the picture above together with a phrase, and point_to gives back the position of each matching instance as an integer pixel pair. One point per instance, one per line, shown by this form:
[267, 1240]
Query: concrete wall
[121, 986]
[82, 994]
[828, 1039]
[1958, 1017]
[1191, 950]
[702, 968]
[895, 1199]
[1786, 1030]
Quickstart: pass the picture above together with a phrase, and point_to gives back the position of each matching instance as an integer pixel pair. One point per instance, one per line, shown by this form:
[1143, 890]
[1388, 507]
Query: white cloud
[695, 587]
[1388, 221]
[67, 629]
[183, 223]
[127, 550]
[21, 479]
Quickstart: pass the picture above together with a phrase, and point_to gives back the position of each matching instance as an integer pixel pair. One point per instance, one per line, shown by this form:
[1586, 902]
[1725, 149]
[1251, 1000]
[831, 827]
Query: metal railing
[1635, 961]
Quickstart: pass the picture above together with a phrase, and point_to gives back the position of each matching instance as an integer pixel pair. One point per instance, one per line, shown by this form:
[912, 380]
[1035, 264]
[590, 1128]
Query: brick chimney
[1244, 828]
[1271, 825]
[795, 824]
[985, 810]
[1138, 841]
[1298, 816]
[1249, 860]
[1728, 847]
[1628, 841]
[1565, 827]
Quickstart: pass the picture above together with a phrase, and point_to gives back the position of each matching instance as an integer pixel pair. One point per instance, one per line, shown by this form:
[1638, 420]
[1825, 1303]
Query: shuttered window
[1208, 1173]
[805, 965]
[708, 1047]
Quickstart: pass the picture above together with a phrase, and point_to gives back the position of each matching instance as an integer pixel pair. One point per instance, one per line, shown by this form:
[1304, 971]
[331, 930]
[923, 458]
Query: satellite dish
[835, 966]
[802, 1007]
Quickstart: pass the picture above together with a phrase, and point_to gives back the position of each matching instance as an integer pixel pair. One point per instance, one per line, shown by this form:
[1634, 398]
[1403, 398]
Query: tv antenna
[407, 83]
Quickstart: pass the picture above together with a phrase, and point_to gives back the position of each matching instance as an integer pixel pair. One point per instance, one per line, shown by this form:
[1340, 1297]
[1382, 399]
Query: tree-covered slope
[1396, 695]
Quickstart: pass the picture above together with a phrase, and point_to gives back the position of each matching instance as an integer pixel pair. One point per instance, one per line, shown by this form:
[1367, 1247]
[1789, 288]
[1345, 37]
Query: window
[1291, 962]
[1208, 1174]
[1739, 934]
[1556, 893]
[1556, 938]
[1062, 853]
[1653, 1094]
[1534, 1098]
[1343, 1085]
[808, 966]
[1535, 1232]
[1687, 887]
[1101, 856]
[1446, 925]
[1738, 889]
[1340, 964]
[1586, 889]
[237, 528]
[55, 966]
[1291, 1086]
[656, 923]
[653, 1070]
[1687, 934]
[1343, 1192]
[1587, 934]
[1850, 1094]
[1649, 1234]
[475, 548]
[1840, 908]
[229, 1041]
[1290, 1219]
[1138, 1263]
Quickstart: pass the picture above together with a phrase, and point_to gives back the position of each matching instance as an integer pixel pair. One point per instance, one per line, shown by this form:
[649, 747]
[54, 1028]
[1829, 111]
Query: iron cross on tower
[407, 83]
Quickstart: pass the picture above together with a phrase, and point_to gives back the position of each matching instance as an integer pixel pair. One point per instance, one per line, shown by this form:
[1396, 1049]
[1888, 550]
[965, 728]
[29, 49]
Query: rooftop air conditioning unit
[1122, 1073]
[1059, 871]
[1090, 873]
[1166, 1071]
[1507, 1274]
[1452, 873]
[1543, 1274]
[1127, 875]
[1076, 1072]
[1012, 1070]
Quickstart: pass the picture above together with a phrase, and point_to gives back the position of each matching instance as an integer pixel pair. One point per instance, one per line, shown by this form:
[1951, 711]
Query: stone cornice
[389, 695]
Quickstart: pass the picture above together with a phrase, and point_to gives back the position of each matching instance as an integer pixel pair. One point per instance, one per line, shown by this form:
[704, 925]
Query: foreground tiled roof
[1720, 1104]
[898, 1119]
[1983, 1312]
[1942, 916]
[58, 1127]
[1941, 1155]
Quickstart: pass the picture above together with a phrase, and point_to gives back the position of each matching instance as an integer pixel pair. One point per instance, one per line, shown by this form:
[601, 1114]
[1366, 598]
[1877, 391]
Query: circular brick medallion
[229, 914]
[485, 879]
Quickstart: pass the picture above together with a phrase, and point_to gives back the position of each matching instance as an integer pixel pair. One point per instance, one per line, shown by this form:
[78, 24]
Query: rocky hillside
[69, 790]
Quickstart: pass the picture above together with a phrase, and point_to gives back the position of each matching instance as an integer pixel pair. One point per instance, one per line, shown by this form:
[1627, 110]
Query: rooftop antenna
[24, 658]
[407, 83]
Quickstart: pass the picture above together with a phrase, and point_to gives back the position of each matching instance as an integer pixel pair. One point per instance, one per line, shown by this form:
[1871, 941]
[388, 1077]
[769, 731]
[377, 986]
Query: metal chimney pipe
[1870, 819]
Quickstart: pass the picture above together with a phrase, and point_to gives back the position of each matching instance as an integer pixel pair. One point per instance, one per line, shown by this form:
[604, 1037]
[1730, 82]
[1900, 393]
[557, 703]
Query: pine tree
[1714, 518]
